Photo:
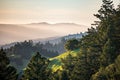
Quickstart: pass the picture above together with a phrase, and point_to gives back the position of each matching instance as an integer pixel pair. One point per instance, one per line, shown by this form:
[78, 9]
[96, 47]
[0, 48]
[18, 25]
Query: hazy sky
[51, 11]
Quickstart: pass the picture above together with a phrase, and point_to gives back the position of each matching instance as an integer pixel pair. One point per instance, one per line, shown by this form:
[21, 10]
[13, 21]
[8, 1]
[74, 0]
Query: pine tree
[116, 34]
[111, 49]
[106, 10]
[68, 67]
[7, 72]
[106, 30]
[37, 68]
[110, 72]
[117, 66]
[103, 15]
[71, 44]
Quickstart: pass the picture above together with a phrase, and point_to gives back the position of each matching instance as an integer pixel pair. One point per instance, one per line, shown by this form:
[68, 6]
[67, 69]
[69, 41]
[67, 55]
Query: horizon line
[43, 23]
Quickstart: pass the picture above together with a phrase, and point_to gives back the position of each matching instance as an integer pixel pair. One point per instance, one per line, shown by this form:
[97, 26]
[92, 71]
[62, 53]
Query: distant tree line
[21, 52]
[59, 47]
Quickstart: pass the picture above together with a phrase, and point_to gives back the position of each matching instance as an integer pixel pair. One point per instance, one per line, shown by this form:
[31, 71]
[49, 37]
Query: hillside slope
[56, 64]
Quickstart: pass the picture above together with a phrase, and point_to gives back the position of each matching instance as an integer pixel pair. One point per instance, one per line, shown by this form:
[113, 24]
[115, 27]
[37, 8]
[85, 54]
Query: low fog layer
[11, 33]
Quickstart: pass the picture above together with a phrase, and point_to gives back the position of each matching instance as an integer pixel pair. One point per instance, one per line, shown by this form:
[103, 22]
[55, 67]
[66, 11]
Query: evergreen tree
[106, 31]
[7, 72]
[68, 67]
[110, 72]
[63, 75]
[37, 68]
[100, 45]
[71, 44]
[106, 10]
[117, 66]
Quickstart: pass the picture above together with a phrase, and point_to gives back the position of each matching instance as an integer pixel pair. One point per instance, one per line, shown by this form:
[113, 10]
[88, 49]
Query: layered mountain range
[19, 32]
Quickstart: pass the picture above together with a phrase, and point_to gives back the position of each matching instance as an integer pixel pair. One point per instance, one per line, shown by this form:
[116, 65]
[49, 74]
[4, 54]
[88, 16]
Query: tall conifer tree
[7, 72]
[37, 68]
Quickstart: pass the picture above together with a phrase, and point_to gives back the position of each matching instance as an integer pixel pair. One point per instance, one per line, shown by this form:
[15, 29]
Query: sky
[51, 11]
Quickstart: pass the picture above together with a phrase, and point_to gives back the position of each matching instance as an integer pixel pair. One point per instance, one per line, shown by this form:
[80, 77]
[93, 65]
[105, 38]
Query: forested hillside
[96, 56]
[21, 52]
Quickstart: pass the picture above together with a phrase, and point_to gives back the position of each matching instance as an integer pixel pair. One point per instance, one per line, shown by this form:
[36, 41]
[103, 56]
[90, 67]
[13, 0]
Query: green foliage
[99, 75]
[106, 10]
[21, 53]
[80, 66]
[7, 72]
[98, 49]
[108, 53]
[71, 44]
[56, 62]
[37, 68]
[97, 59]
[117, 64]
[111, 72]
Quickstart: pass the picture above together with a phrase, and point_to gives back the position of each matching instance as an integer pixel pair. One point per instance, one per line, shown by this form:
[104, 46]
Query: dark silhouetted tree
[37, 68]
[71, 44]
[7, 72]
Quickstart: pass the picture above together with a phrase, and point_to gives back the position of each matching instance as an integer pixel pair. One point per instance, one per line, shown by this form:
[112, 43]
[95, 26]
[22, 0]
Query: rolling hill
[55, 62]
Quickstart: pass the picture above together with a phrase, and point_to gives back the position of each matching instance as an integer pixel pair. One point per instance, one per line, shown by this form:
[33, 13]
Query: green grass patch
[56, 64]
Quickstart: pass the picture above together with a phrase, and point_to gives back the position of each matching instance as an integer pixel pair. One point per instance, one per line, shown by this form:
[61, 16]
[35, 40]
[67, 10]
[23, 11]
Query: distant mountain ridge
[45, 23]
[53, 40]
[19, 32]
